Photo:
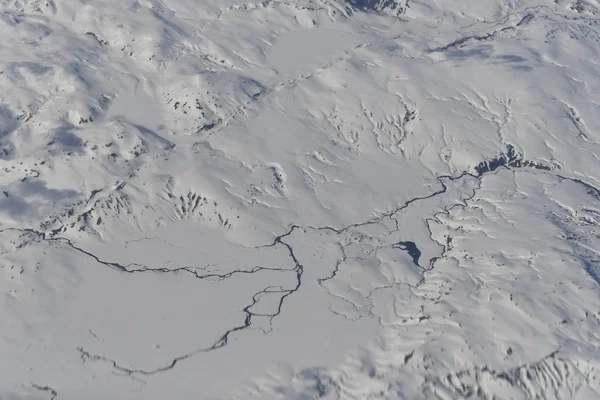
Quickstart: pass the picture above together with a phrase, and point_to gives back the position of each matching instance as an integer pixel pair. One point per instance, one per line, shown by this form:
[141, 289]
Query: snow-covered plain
[302, 199]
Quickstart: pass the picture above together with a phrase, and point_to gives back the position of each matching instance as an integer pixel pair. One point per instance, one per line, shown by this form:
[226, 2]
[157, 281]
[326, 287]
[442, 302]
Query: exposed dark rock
[397, 7]
[509, 159]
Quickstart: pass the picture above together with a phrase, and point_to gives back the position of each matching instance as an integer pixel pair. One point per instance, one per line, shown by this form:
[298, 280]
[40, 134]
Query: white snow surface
[299, 199]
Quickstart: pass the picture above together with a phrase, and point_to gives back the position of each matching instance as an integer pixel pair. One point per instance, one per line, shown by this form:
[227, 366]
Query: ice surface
[299, 199]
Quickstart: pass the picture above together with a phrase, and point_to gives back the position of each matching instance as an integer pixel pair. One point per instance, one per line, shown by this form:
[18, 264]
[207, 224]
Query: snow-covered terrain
[333, 199]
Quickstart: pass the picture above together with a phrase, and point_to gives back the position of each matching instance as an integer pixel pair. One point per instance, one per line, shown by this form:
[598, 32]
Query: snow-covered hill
[299, 199]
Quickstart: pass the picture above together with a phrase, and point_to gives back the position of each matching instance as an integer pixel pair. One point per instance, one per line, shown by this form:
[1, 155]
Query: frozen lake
[138, 109]
[303, 50]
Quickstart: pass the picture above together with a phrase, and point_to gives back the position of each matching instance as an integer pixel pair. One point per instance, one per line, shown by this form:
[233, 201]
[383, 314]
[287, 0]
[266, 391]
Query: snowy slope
[299, 199]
